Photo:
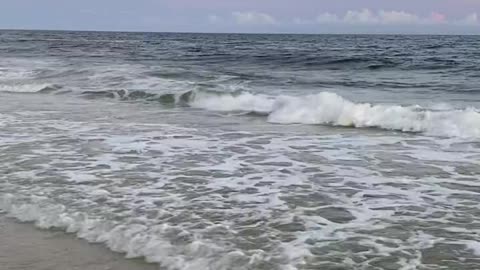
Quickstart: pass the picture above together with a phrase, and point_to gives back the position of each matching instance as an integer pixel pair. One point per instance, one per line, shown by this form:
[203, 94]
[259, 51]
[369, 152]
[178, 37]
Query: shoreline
[25, 247]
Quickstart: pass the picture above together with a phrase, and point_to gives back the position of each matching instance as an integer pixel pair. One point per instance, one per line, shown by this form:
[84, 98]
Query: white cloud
[367, 17]
[364, 16]
[253, 17]
[398, 17]
[327, 18]
[470, 20]
[214, 19]
[300, 21]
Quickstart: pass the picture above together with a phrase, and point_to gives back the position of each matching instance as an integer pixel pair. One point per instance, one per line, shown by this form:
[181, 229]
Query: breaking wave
[29, 88]
[327, 108]
[134, 240]
[324, 108]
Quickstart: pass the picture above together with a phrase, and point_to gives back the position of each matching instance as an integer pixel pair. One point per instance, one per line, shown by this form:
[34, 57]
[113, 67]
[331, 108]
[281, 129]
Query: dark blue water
[410, 65]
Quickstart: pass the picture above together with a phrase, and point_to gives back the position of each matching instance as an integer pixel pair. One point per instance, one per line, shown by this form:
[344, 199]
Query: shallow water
[158, 146]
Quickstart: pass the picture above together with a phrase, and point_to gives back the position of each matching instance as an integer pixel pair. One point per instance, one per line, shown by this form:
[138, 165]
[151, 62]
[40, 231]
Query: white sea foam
[23, 88]
[5, 119]
[225, 102]
[135, 240]
[474, 246]
[209, 198]
[331, 109]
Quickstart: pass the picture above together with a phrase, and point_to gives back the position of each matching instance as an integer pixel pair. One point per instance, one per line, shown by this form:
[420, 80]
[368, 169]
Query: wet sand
[22, 246]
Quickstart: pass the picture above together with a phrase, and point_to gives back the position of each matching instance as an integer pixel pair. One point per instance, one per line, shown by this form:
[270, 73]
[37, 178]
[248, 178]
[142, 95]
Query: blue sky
[299, 16]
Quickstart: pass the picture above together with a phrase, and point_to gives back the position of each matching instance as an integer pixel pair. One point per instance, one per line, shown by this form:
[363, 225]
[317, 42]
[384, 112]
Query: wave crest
[29, 88]
[324, 108]
[328, 108]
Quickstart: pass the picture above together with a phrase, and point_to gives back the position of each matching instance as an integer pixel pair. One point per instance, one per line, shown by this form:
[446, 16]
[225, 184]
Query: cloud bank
[362, 17]
[382, 17]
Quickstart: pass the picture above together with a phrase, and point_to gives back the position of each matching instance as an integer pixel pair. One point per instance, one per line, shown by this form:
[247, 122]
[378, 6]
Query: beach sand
[22, 246]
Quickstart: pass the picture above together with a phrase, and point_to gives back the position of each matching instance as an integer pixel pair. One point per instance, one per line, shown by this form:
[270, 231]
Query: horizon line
[244, 33]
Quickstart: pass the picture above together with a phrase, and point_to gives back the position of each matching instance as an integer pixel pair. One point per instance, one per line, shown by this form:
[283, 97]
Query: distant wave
[324, 108]
[29, 87]
[126, 95]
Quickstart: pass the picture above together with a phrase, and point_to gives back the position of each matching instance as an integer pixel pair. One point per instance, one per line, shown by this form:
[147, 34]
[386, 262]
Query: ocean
[235, 151]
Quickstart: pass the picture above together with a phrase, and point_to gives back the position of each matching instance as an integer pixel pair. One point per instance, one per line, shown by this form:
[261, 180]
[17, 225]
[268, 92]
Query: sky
[252, 16]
